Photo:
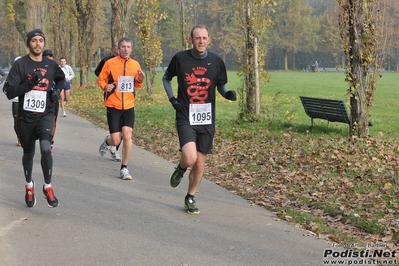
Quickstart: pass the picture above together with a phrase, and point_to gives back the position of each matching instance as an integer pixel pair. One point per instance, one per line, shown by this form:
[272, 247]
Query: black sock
[189, 196]
[123, 166]
[181, 168]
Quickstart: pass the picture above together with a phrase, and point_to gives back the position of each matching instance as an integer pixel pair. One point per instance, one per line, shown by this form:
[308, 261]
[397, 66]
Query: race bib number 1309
[35, 101]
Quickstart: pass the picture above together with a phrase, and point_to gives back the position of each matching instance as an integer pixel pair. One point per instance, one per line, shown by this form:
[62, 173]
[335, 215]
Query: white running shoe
[64, 113]
[103, 147]
[115, 154]
[125, 175]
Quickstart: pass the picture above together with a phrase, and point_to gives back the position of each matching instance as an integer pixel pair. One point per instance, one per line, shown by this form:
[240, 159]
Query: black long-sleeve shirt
[19, 82]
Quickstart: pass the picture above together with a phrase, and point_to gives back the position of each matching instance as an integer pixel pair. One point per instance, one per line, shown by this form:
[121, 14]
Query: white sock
[30, 184]
[47, 185]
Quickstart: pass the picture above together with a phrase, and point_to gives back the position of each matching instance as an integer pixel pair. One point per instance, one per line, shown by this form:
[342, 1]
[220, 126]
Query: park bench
[327, 109]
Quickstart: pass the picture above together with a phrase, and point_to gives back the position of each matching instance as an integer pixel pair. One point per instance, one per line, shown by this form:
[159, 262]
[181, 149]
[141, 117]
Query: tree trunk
[73, 50]
[116, 21]
[293, 61]
[149, 83]
[86, 17]
[182, 24]
[358, 104]
[250, 78]
[256, 76]
[285, 60]
[358, 73]
[84, 76]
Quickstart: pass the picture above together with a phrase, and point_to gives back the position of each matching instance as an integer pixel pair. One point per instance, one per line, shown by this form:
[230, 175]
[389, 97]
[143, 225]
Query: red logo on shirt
[43, 84]
[198, 89]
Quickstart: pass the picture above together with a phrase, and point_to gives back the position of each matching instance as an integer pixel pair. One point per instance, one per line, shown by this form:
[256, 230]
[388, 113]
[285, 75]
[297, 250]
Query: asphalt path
[103, 220]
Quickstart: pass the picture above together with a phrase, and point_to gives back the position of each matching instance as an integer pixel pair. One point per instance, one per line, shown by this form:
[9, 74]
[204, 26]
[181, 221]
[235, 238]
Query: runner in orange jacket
[119, 79]
[113, 69]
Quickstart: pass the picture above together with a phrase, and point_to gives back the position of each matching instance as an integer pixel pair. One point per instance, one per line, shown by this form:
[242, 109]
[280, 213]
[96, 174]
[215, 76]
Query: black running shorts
[201, 135]
[29, 132]
[119, 118]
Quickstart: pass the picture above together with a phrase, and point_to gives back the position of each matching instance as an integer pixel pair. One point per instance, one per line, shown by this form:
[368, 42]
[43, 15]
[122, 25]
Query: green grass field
[314, 178]
[280, 103]
[281, 106]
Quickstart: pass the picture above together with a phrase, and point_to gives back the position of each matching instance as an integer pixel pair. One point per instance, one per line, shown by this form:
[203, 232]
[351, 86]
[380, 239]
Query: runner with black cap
[49, 54]
[31, 79]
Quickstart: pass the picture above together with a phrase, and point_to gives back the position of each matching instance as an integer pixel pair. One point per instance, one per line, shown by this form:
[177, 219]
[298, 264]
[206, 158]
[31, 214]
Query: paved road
[103, 220]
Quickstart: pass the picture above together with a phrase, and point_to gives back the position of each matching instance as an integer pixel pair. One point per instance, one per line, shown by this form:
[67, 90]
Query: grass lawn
[315, 178]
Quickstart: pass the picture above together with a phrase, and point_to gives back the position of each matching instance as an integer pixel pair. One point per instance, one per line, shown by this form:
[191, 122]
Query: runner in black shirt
[31, 78]
[115, 52]
[114, 150]
[198, 73]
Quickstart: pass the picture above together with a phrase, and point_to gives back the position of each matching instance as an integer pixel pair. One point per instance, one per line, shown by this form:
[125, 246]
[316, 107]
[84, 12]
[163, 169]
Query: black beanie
[48, 52]
[33, 33]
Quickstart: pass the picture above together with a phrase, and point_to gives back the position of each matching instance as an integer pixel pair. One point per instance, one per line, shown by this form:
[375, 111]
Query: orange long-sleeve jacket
[113, 69]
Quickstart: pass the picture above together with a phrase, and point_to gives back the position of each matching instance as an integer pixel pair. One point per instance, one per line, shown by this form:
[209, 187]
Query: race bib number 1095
[201, 114]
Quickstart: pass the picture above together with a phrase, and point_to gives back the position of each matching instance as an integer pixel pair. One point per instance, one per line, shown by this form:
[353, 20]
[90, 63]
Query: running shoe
[64, 113]
[115, 154]
[52, 201]
[104, 147]
[190, 206]
[125, 175]
[176, 177]
[30, 198]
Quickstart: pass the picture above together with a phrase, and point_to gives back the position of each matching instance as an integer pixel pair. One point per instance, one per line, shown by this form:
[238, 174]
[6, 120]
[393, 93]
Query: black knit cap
[48, 52]
[33, 33]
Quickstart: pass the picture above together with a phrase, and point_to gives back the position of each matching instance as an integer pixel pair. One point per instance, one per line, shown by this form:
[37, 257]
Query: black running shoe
[30, 198]
[191, 207]
[176, 177]
[52, 201]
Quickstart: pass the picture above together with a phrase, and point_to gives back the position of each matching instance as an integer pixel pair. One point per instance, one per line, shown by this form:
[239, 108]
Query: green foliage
[169, 36]
[255, 20]
[86, 12]
[146, 19]
[294, 25]
[17, 13]
[223, 23]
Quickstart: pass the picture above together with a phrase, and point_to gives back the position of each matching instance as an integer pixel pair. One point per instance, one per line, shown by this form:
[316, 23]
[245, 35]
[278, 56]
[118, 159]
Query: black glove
[176, 102]
[230, 95]
[37, 76]
[54, 95]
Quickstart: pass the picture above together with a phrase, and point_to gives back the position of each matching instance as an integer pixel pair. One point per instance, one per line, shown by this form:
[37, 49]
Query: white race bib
[35, 101]
[126, 84]
[201, 114]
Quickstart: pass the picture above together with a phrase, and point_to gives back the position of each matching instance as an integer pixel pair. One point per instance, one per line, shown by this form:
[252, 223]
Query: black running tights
[46, 160]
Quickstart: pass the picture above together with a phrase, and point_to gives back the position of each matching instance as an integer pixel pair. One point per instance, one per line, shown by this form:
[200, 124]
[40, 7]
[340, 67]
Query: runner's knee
[45, 146]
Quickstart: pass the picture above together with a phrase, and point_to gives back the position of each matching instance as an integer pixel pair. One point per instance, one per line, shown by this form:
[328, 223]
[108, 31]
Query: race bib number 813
[126, 84]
